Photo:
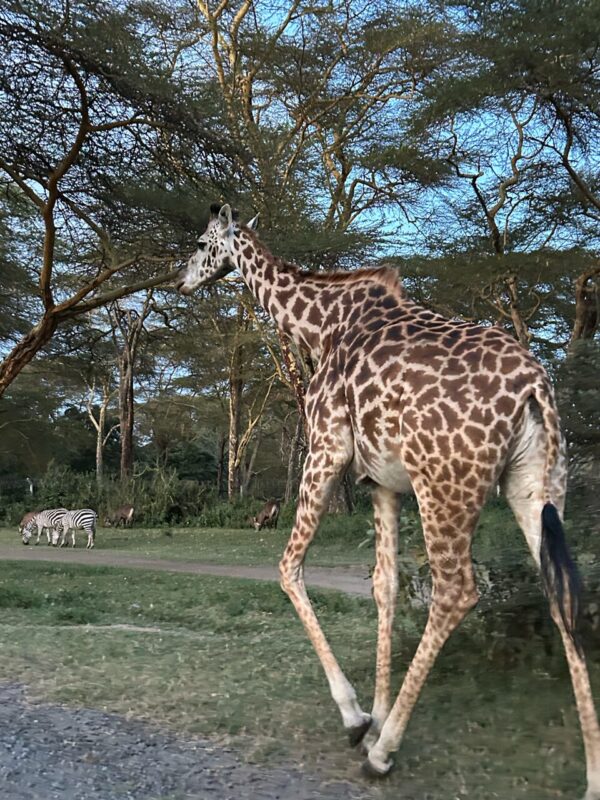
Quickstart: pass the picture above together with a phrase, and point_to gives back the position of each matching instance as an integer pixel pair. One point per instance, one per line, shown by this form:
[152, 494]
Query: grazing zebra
[50, 519]
[80, 519]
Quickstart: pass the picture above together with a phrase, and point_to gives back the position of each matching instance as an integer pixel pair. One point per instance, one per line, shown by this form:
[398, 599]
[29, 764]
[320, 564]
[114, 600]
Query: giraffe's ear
[253, 224]
[225, 216]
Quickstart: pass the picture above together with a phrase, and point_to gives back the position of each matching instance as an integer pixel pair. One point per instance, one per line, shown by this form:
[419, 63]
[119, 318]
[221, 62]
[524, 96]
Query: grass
[336, 544]
[217, 546]
[229, 660]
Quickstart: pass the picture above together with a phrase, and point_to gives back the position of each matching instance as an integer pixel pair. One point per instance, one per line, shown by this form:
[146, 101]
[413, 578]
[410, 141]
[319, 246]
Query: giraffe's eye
[201, 245]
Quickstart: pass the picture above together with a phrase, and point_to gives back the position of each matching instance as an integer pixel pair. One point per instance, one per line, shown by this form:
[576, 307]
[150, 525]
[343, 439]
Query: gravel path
[49, 752]
[352, 580]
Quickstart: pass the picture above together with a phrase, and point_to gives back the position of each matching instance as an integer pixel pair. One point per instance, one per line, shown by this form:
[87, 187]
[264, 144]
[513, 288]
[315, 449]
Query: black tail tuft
[562, 581]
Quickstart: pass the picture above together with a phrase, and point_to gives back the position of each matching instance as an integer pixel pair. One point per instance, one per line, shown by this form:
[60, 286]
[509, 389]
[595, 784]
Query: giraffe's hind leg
[321, 474]
[523, 486]
[448, 542]
[385, 591]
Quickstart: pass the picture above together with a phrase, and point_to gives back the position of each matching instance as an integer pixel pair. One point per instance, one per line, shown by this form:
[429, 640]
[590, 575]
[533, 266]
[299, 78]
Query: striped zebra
[79, 519]
[50, 519]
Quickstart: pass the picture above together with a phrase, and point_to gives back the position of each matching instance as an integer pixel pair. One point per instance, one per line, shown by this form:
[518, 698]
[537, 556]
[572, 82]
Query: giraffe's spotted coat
[409, 400]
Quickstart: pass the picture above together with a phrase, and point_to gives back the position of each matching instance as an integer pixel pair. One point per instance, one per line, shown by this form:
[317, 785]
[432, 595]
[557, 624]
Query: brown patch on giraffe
[476, 435]
[486, 385]
[333, 316]
[417, 379]
[370, 424]
[369, 394]
[505, 405]
[451, 418]
[284, 296]
[315, 316]
[481, 415]
[299, 307]
[509, 364]
[429, 396]
[442, 442]
[489, 361]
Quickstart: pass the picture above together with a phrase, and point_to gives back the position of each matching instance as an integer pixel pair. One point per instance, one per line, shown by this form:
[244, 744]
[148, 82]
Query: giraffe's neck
[306, 308]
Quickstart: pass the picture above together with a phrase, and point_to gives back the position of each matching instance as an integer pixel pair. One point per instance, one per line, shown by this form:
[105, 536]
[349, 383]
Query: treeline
[457, 141]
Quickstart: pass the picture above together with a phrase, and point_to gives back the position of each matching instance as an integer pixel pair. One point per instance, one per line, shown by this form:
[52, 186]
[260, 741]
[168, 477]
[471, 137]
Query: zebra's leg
[73, 537]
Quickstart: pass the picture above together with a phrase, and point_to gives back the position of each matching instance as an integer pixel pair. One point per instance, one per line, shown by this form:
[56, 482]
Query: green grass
[229, 660]
[336, 544]
[216, 545]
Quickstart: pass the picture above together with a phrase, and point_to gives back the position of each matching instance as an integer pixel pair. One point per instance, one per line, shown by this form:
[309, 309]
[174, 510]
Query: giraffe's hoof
[369, 770]
[356, 734]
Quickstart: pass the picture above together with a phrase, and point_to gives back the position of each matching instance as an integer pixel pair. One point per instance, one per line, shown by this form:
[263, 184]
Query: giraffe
[415, 402]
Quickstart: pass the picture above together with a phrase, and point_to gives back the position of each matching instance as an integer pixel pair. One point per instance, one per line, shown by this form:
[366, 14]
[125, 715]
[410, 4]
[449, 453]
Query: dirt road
[351, 580]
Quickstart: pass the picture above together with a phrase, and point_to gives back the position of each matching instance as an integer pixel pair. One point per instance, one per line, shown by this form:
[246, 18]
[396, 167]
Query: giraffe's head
[213, 258]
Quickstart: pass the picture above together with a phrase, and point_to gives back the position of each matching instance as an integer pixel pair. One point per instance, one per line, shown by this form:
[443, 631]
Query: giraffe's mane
[384, 275]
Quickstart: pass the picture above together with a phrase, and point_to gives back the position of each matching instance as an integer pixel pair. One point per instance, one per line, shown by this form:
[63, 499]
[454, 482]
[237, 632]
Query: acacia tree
[515, 111]
[80, 121]
[126, 329]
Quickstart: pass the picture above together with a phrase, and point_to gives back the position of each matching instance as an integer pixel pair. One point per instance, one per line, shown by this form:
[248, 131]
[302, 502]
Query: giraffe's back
[435, 395]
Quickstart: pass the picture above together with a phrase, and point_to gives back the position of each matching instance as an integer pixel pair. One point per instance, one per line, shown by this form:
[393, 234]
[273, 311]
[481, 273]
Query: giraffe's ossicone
[411, 401]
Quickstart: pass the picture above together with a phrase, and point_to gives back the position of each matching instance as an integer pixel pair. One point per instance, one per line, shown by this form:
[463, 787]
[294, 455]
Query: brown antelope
[122, 516]
[268, 515]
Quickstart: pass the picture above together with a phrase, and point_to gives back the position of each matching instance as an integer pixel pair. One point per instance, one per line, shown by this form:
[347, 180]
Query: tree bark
[221, 464]
[587, 306]
[235, 412]
[130, 324]
[293, 462]
[126, 418]
[26, 350]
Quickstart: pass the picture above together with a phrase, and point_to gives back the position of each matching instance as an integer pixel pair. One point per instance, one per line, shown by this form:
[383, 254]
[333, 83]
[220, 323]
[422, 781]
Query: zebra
[49, 519]
[79, 519]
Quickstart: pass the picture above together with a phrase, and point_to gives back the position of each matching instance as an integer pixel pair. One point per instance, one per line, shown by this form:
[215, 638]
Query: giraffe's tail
[562, 582]
[561, 578]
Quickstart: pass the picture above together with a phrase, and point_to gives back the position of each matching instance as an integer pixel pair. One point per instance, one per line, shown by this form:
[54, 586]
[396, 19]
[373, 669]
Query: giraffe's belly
[385, 471]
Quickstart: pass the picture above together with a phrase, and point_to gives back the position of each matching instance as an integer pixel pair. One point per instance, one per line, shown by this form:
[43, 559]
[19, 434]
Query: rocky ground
[50, 752]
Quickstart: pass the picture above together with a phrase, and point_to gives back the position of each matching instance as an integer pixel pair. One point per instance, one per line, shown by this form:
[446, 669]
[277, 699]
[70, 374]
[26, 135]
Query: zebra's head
[55, 536]
[213, 258]
[27, 532]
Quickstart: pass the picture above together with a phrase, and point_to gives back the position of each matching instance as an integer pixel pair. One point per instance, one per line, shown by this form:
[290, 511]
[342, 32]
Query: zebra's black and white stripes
[49, 519]
[80, 519]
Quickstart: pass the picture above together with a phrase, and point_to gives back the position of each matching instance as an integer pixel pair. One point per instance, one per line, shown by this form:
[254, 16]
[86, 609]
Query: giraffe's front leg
[321, 473]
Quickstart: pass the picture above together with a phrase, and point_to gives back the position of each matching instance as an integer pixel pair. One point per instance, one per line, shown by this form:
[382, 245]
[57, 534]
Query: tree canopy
[456, 140]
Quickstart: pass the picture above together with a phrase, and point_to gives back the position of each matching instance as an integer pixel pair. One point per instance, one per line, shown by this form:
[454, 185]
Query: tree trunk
[235, 413]
[100, 444]
[126, 419]
[26, 350]
[221, 464]
[248, 471]
[130, 323]
[587, 306]
[291, 482]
